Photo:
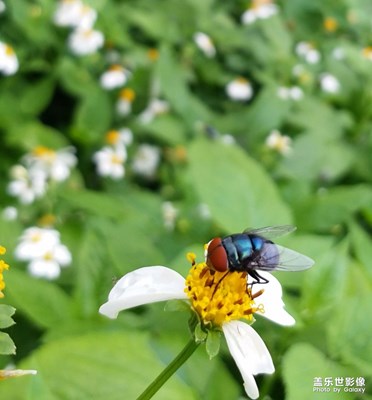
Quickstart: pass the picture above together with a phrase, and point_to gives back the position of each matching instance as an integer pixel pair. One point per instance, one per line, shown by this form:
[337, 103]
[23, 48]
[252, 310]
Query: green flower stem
[182, 357]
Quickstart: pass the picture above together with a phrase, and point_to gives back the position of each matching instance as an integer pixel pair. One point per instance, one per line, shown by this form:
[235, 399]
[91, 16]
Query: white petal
[272, 301]
[142, 286]
[44, 269]
[249, 352]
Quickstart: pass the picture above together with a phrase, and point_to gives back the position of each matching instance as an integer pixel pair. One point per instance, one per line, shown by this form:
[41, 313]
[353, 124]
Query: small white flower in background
[50, 263]
[9, 213]
[278, 142]
[115, 77]
[27, 185]
[42, 249]
[204, 211]
[119, 137]
[124, 102]
[2, 7]
[240, 89]
[338, 53]
[84, 41]
[56, 164]
[308, 52]
[34, 241]
[74, 13]
[110, 161]
[227, 139]
[8, 60]
[259, 9]
[170, 213]
[146, 160]
[205, 44]
[154, 108]
[329, 83]
[294, 93]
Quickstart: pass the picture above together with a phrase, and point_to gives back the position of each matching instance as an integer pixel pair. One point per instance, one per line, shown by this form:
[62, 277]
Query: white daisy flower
[45, 254]
[170, 213]
[27, 185]
[49, 264]
[294, 93]
[220, 303]
[8, 60]
[278, 142]
[240, 89]
[205, 44]
[84, 41]
[74, 13]
[9, 213]
[34, 242]
[56, 164]
[124, 102]
[110, 161]
[115, 77]
[329, 83]
[2, 7]
[119, 137]
[154, 108]
[259, 9]
[146, 160]
[308, 52]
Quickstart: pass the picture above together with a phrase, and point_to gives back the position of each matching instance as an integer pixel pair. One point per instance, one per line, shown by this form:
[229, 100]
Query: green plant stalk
[182, 357]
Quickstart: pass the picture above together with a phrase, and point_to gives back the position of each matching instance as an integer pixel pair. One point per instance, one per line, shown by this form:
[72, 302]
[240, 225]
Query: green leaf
[95, 366]
[238, 192]
[36, 96]
[93, 117]
[267, 112]
[301, 365]
[349, 332]
[175, 89]
[44, 303]
[213, 343]
[6, 313]
[326, 281]
[96, 203]
[334, 206]
[362, 245]
[7, 345]
[30, 134]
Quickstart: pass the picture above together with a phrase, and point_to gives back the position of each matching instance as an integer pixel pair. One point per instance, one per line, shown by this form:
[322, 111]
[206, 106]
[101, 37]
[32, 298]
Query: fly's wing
[279, 258]
[271, 232]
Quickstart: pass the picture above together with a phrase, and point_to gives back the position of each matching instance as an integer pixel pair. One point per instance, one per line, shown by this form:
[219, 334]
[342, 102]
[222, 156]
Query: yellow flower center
[44, 153]
[112, 137]
[3, 266]
[153, 54]
[330, 24]
[219, 297]
[127, 94]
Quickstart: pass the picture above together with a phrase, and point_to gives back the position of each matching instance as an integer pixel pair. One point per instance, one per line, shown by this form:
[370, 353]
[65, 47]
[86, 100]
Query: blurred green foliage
[323, 186]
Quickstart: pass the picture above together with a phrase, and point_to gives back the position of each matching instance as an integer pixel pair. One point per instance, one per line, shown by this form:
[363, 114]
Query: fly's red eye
[216, 255]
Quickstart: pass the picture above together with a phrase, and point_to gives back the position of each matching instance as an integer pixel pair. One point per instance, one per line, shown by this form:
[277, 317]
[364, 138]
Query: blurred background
[133, 132]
